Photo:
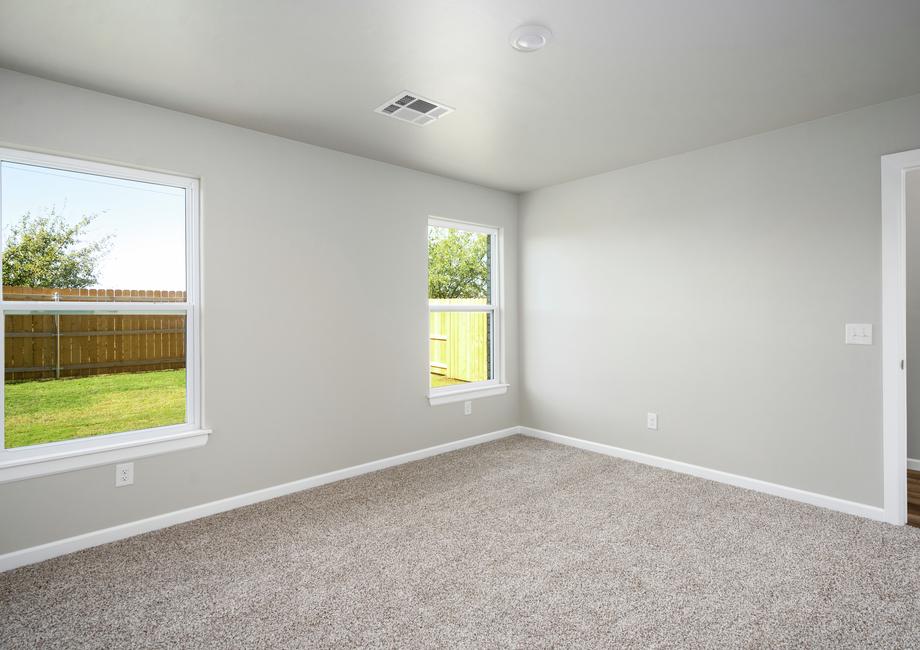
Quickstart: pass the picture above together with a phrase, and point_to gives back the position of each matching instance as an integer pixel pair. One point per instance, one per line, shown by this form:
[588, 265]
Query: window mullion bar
[75, 306]
[469, 308]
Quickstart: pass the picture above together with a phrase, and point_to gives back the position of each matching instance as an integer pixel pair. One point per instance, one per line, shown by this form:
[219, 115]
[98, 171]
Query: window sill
[464, 394]
[56, 461]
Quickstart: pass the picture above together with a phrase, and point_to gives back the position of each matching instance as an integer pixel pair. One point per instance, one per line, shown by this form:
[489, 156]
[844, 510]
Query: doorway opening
[912, 259]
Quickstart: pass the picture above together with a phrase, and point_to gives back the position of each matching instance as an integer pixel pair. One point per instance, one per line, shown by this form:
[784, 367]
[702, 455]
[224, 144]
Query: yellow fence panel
[459, 343]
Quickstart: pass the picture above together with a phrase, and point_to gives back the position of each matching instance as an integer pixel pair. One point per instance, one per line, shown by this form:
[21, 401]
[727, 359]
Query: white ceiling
[624, 82]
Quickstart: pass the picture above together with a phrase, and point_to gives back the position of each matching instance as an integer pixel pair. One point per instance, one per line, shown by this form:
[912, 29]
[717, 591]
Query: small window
[100, 298]
[464, 314]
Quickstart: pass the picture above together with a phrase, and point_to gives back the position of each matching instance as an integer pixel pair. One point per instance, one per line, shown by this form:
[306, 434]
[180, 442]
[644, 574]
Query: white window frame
[496, 385]
[55, 457]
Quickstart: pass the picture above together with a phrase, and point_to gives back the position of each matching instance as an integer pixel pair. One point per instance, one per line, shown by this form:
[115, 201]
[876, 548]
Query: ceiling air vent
[413, 108]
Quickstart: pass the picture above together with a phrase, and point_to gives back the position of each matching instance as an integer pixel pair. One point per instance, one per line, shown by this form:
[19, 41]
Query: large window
[464, 311]
[100, 322]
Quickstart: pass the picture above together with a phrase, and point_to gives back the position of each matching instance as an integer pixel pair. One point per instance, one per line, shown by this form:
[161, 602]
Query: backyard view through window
[461, 327]
[95, 307]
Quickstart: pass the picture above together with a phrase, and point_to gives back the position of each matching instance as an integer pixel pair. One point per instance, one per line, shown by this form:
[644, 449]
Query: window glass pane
[459, 264]
[79, 375]
[460, 346]
[72, 236]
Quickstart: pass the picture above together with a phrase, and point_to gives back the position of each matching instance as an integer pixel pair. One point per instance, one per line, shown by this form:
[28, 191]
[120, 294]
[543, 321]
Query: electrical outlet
[651, 421]
[468, 407]
[124, 474]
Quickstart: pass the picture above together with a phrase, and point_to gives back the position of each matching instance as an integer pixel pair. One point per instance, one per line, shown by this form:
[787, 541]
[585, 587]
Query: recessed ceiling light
[530, 38]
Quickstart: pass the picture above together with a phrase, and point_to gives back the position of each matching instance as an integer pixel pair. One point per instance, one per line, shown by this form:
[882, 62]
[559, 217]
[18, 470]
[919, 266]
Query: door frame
[894, 331]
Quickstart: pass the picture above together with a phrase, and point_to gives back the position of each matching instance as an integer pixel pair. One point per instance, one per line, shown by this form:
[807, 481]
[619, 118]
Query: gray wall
[713, 288]
[710, 287]
[296, 238]
[913, 314]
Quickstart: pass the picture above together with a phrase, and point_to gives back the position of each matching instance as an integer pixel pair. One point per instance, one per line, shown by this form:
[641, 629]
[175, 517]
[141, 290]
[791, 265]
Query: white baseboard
[812, 498]
[69, 545]
[914, 464]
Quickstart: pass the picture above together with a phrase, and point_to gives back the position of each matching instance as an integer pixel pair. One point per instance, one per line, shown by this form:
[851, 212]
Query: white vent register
[414, 109]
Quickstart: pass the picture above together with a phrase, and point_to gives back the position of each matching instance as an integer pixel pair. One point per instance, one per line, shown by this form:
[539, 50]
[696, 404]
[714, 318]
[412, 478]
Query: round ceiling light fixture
[530, 38]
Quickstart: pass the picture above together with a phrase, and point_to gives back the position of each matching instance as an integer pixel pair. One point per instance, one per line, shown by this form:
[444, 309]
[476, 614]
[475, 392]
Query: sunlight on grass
[63, 409]
[437, 381]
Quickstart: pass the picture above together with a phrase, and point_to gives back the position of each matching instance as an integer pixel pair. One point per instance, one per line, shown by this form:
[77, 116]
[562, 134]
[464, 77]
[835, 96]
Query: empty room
[460, 324]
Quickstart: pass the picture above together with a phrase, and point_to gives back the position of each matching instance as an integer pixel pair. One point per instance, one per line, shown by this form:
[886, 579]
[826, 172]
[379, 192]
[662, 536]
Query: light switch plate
[858, 334]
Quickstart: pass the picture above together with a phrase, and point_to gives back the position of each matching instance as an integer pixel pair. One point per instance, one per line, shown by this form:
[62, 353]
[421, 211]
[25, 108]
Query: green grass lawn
[62, 409]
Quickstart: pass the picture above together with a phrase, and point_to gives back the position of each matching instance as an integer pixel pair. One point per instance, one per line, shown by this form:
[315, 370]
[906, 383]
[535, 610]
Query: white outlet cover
[468, 407]
[124, 474]
[651, 421]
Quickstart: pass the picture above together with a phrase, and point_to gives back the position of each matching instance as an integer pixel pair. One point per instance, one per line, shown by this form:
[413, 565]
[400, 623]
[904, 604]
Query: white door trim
[894, 331]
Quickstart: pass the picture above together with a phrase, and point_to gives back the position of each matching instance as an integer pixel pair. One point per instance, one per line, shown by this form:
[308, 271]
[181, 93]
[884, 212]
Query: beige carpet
[516, 543]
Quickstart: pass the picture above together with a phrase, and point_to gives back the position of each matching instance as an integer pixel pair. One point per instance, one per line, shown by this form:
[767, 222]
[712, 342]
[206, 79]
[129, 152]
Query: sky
[147, 250]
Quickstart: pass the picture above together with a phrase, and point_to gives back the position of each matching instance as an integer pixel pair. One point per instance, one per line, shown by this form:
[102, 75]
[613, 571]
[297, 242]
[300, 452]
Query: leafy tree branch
[458, 264]
[46, 251]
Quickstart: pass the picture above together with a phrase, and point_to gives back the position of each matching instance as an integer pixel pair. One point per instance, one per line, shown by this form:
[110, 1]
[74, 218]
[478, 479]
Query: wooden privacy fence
[42, 346]
[459, 342]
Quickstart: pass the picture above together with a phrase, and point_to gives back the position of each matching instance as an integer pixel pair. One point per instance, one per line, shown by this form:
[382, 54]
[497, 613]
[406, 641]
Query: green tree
[46, 251]
[458, 264]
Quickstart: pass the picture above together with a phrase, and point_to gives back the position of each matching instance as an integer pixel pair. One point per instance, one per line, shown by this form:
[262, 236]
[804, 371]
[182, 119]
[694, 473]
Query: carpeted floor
[515, 543]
